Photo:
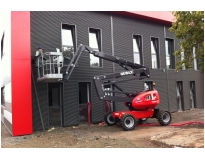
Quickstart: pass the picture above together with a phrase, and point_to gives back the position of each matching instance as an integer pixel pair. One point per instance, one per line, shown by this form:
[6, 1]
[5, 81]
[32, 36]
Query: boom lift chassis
[141, 104]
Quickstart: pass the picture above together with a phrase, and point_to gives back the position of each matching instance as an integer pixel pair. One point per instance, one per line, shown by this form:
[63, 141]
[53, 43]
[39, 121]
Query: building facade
[140, 37]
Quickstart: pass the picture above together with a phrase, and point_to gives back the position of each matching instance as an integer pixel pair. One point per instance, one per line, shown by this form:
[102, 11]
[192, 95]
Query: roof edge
[165, 17]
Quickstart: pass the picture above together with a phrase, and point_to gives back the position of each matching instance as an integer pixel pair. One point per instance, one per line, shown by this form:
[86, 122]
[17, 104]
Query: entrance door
[55, 104]
[84, 98]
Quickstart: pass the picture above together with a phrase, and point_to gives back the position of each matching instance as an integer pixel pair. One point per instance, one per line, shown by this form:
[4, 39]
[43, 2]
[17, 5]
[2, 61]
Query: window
[137, 49]
[68, 42]
[196, 66]
[95, 43]
[148, 85]
[170, 59]
[182, 58]
[155, 52]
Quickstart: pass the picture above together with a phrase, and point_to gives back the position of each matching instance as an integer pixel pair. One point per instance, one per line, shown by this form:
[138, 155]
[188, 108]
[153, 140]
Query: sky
[101, 5]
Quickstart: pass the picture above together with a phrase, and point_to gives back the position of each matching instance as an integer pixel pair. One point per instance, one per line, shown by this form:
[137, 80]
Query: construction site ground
[103, 136]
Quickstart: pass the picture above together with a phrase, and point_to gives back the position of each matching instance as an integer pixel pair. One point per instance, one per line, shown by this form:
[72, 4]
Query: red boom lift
[141, 104]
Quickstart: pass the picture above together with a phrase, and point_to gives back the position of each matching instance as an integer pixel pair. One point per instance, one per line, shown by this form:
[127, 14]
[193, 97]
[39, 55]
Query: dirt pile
[190, 136]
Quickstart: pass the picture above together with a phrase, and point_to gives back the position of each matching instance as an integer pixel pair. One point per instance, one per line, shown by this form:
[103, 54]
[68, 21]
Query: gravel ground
[96, 136]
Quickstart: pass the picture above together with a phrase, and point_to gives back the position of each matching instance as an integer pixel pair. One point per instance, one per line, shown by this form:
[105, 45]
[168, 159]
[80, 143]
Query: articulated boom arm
[123, 63]
[137, 70]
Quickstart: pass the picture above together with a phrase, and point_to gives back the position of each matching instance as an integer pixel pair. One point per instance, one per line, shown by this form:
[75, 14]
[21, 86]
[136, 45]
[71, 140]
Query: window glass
[195, 60]
[93, 43]
[67, 38]
[154, 61]
[135, 46]
[168, 61]
[166, 48]
[137, 58]
[94, 61]
[152, 48]
[68, 42]
[182, 58]
[136, 49]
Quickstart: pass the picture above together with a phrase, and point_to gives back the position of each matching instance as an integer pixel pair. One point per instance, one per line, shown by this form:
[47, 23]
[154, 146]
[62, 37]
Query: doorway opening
[180, 100]
[192, 94]
[84, 89]
[55, 104]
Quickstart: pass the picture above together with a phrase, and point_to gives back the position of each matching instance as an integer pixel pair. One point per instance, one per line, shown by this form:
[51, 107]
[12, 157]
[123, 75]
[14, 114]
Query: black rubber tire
[109, 120]
[128, 122]
[164, 117]
[141, 121]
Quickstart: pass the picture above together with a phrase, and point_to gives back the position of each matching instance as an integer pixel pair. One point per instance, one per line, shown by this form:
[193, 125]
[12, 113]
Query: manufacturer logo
[126, 73]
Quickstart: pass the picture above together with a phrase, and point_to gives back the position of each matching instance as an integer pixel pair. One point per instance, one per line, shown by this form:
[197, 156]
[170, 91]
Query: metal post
[50, 64]
[42, 65]
[113, 65]
[39, 108]
[38, 69]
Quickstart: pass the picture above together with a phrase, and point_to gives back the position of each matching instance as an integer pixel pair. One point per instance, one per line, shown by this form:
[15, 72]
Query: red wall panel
[21, 73]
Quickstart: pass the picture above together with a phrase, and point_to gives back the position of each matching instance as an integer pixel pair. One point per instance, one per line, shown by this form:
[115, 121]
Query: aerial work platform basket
[49, 64]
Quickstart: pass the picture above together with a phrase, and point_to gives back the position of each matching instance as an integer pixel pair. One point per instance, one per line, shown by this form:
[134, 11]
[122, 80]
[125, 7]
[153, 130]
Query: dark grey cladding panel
[82, 20]
[160, 79]
[125, 27]
[131, 86]
[186, 95]
[186, 76]
[46, 31]
[70, 103]
[43, 101]
[177, 47]
[97, 107]
[198, 77]
[172, 91]
[168, 34]
[119, 106]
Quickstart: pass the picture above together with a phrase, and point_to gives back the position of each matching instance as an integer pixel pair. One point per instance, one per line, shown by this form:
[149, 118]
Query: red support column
[21, 73]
